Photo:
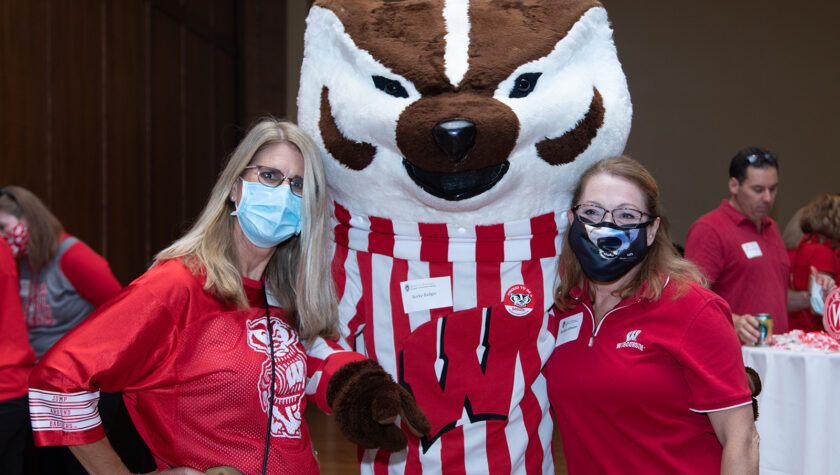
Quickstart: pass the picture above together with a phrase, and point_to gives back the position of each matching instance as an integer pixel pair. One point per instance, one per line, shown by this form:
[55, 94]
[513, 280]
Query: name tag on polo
[569, 329]
[426, 294]
[751, 249]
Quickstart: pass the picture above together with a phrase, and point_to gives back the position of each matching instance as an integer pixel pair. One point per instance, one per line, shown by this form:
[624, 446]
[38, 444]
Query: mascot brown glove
[754, 382]
[366, 402]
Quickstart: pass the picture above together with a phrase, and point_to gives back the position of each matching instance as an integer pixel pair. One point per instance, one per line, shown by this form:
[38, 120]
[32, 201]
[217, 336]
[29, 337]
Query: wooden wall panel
[120, 113]
[227, 132]
[75, 113]
[264, 60]
[24, 95]
[200, 162]
[166, 156]
[125, 208]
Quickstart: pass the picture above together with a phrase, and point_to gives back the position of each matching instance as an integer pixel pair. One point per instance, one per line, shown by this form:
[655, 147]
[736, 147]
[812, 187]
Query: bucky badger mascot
[453, 134]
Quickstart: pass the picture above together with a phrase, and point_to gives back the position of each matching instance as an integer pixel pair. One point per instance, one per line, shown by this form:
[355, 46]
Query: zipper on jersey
[592, 317]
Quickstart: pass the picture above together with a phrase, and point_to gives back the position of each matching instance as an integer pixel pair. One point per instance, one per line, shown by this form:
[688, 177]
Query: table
[799, 410]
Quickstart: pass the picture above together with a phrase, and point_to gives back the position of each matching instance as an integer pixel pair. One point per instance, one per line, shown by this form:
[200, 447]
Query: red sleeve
[16, 356]
[325, 357]
[710, 355]
[703, 247]
[107, 352]
[823, 258]
[89, 273]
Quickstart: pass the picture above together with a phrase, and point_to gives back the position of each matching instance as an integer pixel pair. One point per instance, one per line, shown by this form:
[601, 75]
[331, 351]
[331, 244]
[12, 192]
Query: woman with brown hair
[818, 255]
[646, 375]
[62, 280]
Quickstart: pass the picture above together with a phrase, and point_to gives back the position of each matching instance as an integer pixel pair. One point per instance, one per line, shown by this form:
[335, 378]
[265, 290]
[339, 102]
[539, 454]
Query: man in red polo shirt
[739, 247]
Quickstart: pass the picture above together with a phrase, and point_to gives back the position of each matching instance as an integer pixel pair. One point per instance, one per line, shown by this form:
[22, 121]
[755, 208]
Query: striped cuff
[57, 417]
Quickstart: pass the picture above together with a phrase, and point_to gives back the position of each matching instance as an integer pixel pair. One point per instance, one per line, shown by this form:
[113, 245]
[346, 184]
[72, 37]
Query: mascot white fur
[453, 134]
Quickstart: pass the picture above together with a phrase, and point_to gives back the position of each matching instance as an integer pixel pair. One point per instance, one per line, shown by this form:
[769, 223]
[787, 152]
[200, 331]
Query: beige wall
[710, 77]
[713, 76]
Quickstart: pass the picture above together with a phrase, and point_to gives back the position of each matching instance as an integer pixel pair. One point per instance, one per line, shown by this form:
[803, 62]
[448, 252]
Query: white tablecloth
[799, 410]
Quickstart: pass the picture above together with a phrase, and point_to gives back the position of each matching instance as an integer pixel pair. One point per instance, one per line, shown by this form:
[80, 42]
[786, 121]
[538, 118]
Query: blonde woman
[207, 346]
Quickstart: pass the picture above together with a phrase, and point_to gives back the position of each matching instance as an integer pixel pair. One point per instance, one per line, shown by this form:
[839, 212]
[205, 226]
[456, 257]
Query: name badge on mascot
[426, 294]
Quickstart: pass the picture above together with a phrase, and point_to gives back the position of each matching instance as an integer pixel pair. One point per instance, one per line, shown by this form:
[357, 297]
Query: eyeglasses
[622, 217]
[761, 158]
[273, 178]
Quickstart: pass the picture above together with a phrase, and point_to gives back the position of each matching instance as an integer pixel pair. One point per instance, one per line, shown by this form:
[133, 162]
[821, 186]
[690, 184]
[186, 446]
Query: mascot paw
[754, 382]
[366, 402]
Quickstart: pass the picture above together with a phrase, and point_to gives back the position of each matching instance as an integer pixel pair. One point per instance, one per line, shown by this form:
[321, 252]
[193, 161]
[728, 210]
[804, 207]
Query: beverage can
[765, 328]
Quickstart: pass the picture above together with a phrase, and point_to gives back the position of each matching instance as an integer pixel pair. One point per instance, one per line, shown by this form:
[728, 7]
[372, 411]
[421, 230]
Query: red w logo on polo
[457, 383]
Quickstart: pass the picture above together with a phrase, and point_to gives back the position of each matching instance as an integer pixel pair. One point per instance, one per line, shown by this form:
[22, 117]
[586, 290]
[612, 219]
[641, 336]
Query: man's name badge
[426, 294]
[751, 249]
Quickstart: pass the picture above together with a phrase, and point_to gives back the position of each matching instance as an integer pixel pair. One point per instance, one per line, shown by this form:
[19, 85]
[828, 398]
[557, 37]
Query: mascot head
[457, 111]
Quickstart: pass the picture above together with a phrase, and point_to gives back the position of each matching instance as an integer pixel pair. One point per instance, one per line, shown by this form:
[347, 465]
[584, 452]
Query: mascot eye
[524, 84]
[391, 87]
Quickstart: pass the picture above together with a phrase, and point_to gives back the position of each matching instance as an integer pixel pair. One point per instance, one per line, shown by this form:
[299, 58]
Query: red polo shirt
[631, 395]
[749, 268]
[820, 253]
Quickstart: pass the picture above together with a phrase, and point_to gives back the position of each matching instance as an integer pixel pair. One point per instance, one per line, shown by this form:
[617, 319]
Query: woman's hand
[178, 471]
[825, 281]
[100, 458]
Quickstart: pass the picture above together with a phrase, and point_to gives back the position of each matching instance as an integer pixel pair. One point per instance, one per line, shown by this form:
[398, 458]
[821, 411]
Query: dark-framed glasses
[273, 178]
[758, 159]
[622, 217]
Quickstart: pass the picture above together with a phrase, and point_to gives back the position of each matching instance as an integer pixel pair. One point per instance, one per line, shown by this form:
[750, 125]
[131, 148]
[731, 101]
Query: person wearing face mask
[646, 375]
[62, 280]
[213, 346]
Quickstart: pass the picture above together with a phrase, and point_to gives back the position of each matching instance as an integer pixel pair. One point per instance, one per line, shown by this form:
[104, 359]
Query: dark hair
[44, 228]
[662, 260]
[751, 157]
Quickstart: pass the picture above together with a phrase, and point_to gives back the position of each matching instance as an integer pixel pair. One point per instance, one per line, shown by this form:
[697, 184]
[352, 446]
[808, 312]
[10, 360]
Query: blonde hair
[662, 260]
[298, 274]
[44, 228]
[822, 216]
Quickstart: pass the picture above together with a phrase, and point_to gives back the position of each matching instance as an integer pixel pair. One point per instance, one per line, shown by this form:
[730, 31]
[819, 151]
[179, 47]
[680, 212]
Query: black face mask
[605, 251]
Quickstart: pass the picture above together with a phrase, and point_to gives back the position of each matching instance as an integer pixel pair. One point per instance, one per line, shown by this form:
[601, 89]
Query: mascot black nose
[455, 137]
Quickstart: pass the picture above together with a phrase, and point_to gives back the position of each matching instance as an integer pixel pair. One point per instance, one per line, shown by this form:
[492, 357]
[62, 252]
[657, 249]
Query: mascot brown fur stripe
[407, 37]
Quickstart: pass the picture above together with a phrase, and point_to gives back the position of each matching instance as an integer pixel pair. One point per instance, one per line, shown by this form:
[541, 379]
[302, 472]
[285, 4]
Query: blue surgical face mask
[268, 216]
[817, 298]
